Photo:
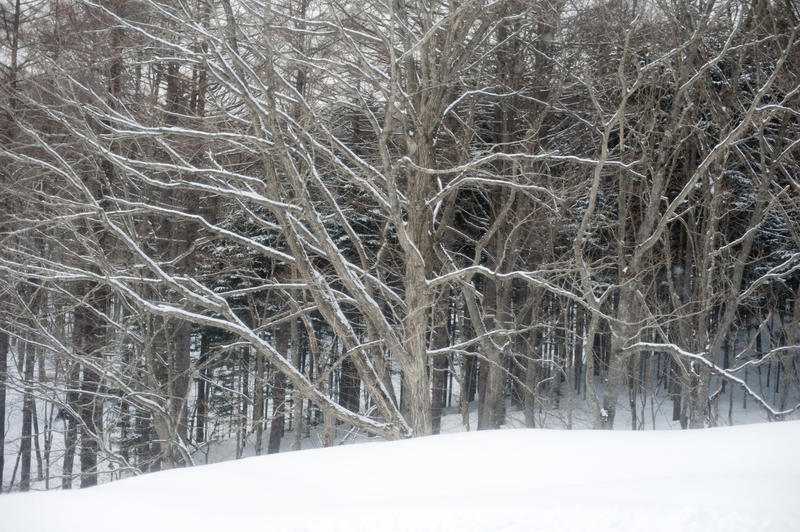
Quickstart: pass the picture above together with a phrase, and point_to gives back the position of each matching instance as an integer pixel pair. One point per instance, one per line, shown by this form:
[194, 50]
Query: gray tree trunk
[71, 425]
[88, 340]
[279, 393]
[3, 370]
[27, 420]
[258, 404]
[297, 398]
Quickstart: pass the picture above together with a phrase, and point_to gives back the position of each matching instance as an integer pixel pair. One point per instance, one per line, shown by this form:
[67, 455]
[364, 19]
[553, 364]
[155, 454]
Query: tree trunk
[786, 359]
[180, 381]
[529, 394]
[618, 359]
[88, 339]
[201, 412]
[674, 388]
[440, 371]
[35, 434]
[71, 425]
[349, 385]
[440, 363]
[27, 420]
[416, 384]
[258, 406]
[468, 372]
[279, 393]
[3, 370]
[492, 413]
[243, 424]
[297, 414]
[278, 413]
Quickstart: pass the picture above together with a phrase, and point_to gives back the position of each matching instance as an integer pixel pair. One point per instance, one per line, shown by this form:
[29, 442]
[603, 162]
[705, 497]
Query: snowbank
[724, 479]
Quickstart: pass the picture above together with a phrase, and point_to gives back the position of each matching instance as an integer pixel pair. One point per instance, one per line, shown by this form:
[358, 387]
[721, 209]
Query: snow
[721, 479]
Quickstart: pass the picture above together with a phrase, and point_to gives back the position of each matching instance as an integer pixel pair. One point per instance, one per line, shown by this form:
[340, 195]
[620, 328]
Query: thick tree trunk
[531, 382]
[349, 385]
[168, 375]
[278, 413]
[612, 386]
[279, 393]
[618, 359]
[416, 383]
[417, 399]
[180, 381]
[440, 363]
[87, 336]
[786, 359]
[490, 365]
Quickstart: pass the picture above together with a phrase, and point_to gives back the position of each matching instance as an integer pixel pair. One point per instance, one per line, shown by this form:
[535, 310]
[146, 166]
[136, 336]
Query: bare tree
[346, 205]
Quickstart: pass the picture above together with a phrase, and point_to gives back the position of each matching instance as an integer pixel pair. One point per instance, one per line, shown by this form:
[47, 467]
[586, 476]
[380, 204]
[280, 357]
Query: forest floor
[721, 479]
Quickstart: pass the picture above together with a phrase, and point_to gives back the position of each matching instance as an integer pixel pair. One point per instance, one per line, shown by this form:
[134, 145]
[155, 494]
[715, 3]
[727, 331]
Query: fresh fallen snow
[722, 479]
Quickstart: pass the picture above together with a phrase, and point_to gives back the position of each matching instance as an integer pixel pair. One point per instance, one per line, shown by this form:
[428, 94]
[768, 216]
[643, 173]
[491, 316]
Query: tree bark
[27, 420]
[88, 338]
[3, 369]
[258, 406]
[279, 393]
[71, 424]
[297, 398]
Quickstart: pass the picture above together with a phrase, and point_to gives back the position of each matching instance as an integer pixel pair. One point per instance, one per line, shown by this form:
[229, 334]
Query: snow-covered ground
[721, 479]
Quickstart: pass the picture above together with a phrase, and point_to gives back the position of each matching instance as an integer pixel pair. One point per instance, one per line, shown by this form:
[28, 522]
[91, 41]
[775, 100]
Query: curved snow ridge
[733, 478]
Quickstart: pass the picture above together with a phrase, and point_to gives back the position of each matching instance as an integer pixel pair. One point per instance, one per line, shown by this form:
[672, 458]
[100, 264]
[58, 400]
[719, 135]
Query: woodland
[255, 220]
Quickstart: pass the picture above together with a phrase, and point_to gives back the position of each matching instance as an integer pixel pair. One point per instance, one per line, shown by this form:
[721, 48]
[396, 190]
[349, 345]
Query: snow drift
[726, 479]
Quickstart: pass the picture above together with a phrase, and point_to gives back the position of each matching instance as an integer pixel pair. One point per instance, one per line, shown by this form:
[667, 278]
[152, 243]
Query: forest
[260, 220]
